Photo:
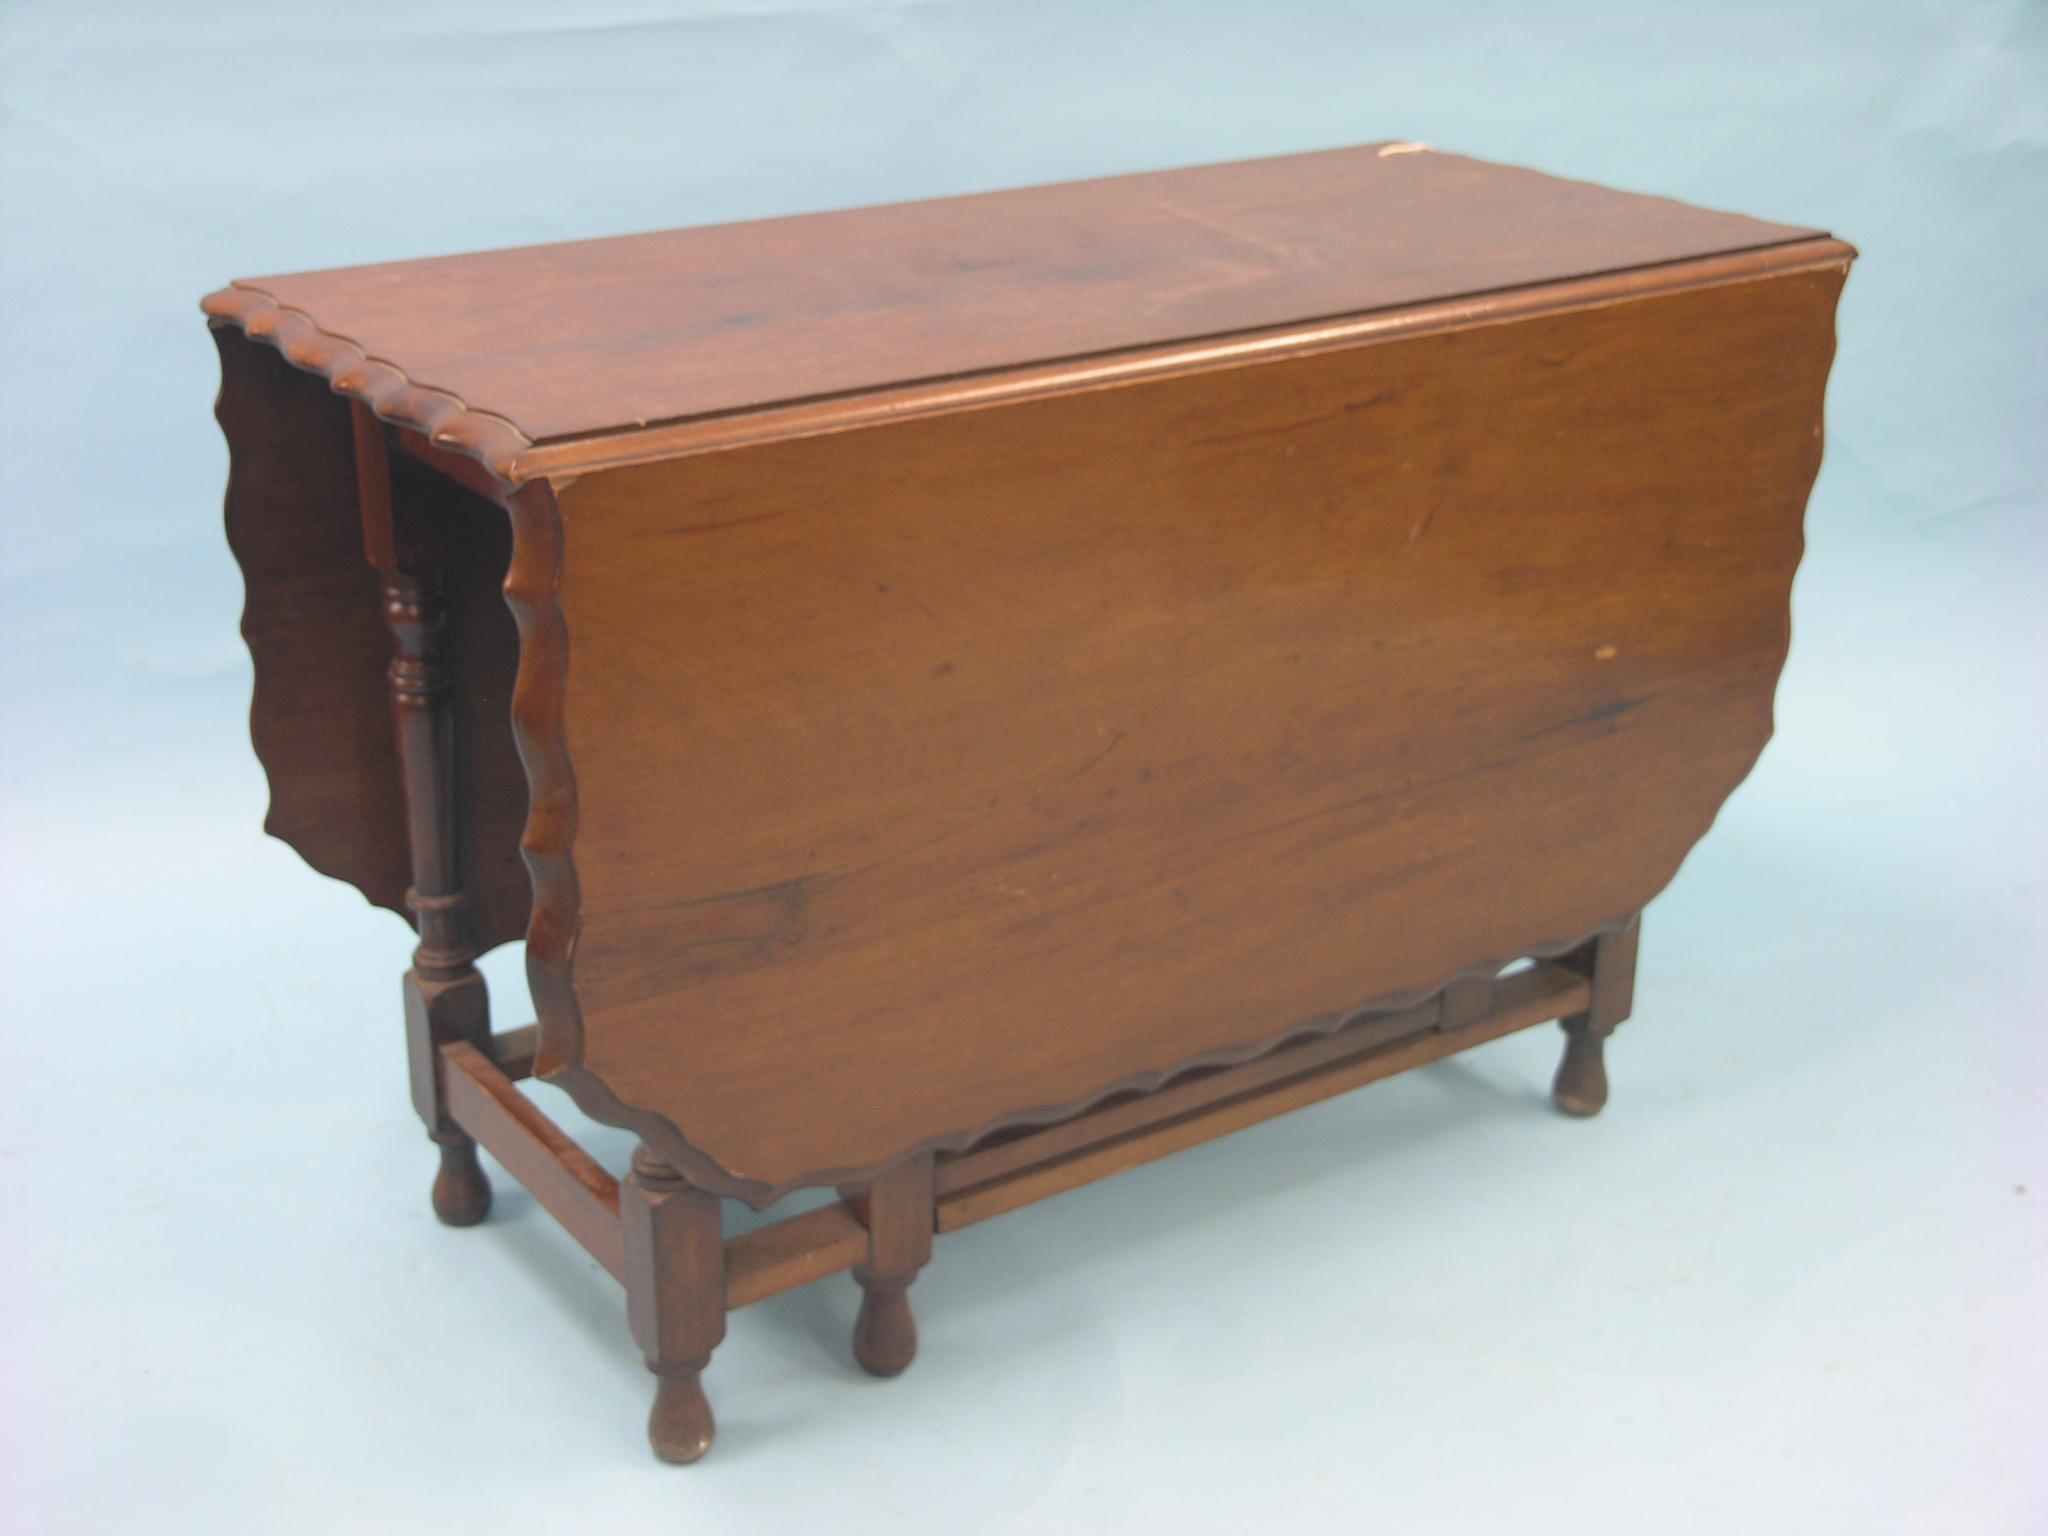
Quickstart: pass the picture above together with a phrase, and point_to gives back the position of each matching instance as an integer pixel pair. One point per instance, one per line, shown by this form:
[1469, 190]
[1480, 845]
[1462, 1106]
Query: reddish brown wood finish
[566, 341]
[565, 1179]
[445, 998]
[794, 1251]
[313, 617]
[900, 1212]
[1011, 687]
[1242, 1097]
[1609, 963]
[513, 1050]
[675, 1298]
[1199, 710]
[1531, 997]
[883, 1231]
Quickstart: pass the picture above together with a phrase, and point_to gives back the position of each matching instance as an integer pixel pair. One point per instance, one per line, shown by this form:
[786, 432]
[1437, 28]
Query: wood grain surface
[560, 341]
[313, 618]
[952, 774]
[965, 698]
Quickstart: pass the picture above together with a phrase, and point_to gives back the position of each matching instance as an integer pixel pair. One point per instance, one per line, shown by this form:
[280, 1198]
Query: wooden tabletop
[602, 336]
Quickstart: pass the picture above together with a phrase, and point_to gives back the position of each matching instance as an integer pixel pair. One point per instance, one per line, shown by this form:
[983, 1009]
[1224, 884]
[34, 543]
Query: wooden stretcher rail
[792, 1252]
[484, 1101]
[569, 1183]
[565, 1179]
[1091, 1130]
[1012, 1174]
[514, 1050]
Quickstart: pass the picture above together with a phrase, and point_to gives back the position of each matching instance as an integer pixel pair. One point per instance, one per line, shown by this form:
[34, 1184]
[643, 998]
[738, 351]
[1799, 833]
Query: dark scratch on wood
[684, 530]
[1349, 407]
[1612, 710]
[1116, 740]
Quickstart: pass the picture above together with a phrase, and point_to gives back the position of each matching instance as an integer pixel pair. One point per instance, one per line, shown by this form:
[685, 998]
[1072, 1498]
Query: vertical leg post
[901, 1214]
[1609, 963]
[1465, 1001]
[675, 1298]
[445, 999]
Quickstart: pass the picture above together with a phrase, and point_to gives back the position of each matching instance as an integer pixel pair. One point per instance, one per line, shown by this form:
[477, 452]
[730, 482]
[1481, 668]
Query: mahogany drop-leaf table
[966, 697]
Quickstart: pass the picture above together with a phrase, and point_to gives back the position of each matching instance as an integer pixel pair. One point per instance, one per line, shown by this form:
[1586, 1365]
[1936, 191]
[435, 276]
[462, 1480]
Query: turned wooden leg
[675, 1298]
[437, 1012]
[1609, 963]
[445, 997]
[1581, 1084]
[900, 1214]
[462, 1195]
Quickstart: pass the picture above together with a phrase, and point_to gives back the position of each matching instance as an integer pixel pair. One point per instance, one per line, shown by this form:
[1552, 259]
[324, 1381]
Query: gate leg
[900, 1216]
[675, 1298]
[1609, 963]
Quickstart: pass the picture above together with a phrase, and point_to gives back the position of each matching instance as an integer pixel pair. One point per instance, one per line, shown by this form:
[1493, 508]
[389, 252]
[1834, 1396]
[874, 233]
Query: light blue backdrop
[1792, 1281]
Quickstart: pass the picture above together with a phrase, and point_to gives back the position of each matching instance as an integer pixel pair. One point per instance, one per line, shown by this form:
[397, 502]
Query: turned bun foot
[1581, 1086]
[462, 1195]
[681, 1427]
[885, 1334]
